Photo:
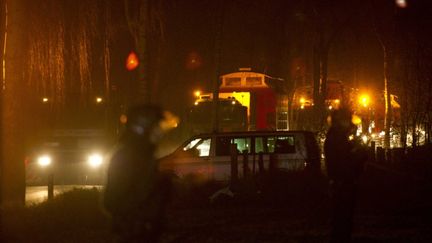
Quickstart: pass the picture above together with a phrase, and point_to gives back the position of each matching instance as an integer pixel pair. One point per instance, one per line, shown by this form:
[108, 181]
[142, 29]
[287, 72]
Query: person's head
[143, 121]
[342, 119]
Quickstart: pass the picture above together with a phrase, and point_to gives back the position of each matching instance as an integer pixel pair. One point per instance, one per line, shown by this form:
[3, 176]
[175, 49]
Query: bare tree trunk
[145, 22]
[13, 129]
[387, 116]
[142, 49]
[138, 27]
[218, 53]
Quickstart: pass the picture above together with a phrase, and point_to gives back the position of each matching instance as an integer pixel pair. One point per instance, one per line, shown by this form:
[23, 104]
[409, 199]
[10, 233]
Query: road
[38, 194]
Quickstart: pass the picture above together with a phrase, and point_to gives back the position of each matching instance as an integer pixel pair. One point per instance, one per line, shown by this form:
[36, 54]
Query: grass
[276, 208]
[75, 216]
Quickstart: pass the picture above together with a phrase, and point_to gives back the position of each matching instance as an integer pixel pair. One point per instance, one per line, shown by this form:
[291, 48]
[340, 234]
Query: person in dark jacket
[345, 158]
[135, 193]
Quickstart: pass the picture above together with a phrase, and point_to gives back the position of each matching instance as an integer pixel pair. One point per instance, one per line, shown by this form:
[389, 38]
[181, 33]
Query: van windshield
[199, 147]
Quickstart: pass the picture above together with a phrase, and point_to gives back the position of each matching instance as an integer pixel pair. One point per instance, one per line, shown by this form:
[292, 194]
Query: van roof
[248, 133]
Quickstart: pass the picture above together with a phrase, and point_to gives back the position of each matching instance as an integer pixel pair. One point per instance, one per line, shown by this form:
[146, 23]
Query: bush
[75, 216]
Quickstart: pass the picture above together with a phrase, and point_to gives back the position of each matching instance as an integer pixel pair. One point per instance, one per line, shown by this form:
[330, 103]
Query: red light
[193, 61]
[132, 61]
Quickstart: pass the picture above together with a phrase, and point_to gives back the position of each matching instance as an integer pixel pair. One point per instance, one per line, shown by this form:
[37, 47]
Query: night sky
[267, 35]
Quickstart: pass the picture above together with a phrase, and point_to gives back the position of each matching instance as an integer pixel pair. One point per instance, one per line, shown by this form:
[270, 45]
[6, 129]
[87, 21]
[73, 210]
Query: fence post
[234, 163]
[272, 163]
[380, 155]
[372, 155]
[50, 185]
[261, 162]
[245, 164]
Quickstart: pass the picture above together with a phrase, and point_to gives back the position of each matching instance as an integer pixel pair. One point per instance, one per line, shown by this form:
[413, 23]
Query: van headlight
[44, 160]
[95, 160]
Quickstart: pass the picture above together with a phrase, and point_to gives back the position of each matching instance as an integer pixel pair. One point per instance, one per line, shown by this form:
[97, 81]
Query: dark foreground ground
[291, 208]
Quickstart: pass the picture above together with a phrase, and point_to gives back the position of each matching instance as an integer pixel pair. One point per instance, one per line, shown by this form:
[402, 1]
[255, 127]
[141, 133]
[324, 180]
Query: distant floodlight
[44, 160]
[95, 160]
[45, 99]
[99, 100]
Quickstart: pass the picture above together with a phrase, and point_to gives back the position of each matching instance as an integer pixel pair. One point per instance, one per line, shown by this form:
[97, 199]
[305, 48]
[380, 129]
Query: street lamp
[44, 161]
[364, 100]
[302, 102]
[197, 93]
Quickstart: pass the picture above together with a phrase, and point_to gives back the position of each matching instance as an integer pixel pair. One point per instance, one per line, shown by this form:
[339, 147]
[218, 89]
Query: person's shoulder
[119, 150]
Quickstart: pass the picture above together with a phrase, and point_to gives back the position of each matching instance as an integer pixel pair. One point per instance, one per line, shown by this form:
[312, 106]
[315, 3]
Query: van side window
[284, 144]
[261, 145]
[243, 144]
[271, 144]
[223, 146]
[278, 144]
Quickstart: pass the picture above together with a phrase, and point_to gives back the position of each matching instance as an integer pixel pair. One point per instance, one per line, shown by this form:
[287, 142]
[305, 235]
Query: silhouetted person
[345, 158]
[135, 193]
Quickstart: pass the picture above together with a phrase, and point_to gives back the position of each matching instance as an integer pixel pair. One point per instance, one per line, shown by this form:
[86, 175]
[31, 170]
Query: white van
[208, 155]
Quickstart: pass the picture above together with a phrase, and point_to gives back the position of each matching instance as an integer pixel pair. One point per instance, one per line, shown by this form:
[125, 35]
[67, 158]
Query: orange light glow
[364, 100]
[132, 61]
[123, 119]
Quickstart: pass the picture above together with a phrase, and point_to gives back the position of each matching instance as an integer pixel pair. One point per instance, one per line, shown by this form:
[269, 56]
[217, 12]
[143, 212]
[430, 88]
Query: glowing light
[356, 120]
[169, 122]
[95, 160]
[351, 137]
[364, 100]
[233, 102]
[123, 119]
[302, 107]
[330, 107]
[197, 93]
[44, 160]
[302, 100]
[196, 103]
[99, 100]
[364, 139]
[401, 3]
[337, 101]
[193, 60]
[241, 97]
[45, 99]
[132, 61]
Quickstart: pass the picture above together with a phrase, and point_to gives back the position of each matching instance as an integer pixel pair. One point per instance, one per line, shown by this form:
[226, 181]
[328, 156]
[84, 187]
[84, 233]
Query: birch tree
[14, 93]
[145, 22]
